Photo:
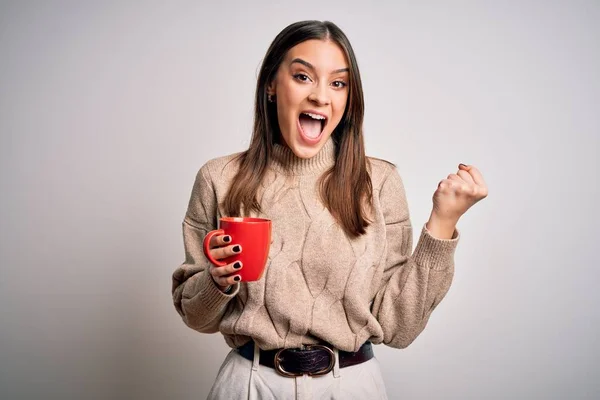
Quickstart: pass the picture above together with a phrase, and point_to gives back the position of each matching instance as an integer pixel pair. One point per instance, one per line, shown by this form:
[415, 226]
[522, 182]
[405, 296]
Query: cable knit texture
[319, 284]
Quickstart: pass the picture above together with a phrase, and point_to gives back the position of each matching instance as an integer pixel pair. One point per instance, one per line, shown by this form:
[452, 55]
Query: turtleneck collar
[285, 161]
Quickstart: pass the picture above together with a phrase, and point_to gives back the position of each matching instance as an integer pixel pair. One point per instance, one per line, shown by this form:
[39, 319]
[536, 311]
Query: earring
[270, 98]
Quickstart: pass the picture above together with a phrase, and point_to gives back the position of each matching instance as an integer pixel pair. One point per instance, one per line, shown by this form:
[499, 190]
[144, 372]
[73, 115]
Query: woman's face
[311, 89]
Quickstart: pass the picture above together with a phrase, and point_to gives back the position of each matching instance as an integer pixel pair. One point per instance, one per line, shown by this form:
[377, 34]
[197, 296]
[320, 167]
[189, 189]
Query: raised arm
[414, 284]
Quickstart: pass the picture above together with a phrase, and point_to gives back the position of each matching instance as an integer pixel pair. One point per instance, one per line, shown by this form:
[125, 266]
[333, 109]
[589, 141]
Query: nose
[319, 95]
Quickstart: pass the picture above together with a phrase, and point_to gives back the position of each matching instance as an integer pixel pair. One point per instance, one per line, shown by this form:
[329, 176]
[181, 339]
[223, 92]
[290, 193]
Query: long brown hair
[346, 188]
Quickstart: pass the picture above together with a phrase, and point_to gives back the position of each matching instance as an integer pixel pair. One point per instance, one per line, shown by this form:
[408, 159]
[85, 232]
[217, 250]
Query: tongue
[311, 127]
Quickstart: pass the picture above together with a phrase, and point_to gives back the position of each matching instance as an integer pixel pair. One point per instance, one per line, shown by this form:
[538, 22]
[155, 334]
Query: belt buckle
[279, 368]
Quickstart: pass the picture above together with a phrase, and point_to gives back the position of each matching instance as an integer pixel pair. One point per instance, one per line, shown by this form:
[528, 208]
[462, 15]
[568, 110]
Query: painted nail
[237, 249]
[237, 278]
[227, 239]
[237, 265]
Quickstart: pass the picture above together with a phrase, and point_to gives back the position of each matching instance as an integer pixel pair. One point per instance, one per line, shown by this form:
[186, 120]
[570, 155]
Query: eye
[339, 84]
[302, 77]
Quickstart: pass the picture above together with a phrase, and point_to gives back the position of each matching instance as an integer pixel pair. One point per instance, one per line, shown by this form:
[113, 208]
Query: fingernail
[462, 165]
[237, 278]
[237, 265]
[237, 249]
[227, 239]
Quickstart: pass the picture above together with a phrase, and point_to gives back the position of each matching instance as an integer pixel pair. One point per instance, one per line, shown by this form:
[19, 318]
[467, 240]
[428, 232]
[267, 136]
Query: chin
[302, 149]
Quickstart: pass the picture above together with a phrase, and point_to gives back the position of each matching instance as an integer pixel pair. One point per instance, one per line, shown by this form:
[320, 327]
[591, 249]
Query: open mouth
[312, 125]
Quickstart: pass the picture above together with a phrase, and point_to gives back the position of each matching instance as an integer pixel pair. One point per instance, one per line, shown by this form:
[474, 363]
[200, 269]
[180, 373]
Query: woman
[340, 273]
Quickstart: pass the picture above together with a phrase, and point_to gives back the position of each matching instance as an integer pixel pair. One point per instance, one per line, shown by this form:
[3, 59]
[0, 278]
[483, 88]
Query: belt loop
[256, 358]
[336, 366]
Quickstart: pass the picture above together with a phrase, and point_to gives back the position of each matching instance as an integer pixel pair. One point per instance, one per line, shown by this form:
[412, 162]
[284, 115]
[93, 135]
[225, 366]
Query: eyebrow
[309, 65]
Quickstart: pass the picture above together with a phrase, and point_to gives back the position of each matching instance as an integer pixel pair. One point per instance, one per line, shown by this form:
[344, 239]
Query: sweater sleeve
[196, 296]
[413, 284]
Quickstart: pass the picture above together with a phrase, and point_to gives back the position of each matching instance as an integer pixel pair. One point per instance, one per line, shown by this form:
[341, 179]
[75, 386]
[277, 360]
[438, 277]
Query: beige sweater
[319, 285]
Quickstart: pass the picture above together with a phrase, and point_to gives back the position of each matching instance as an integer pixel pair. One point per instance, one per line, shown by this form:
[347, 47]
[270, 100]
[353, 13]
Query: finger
[219, 272]
[223, 252]
[226, 279]
[466, 176]
[454, 177]
[456, 186]
[463, 188]
[447, 185]
[476, 175]
[219, 240]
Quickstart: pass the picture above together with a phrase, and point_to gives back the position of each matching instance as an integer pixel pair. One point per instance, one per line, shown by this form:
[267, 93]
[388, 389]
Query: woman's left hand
[454, 196]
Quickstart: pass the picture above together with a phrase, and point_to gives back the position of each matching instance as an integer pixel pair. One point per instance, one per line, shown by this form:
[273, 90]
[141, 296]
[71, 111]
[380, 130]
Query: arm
[413, 285]
[196, 296]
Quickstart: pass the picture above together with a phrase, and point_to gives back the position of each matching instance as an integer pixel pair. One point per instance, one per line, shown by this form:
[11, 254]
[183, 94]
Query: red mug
[254, 235]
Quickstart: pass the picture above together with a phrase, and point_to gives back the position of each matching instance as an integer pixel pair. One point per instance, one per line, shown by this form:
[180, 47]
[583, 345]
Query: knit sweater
[319, 284]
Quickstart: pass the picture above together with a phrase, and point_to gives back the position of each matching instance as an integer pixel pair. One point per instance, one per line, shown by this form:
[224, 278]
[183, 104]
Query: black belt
[314, 360]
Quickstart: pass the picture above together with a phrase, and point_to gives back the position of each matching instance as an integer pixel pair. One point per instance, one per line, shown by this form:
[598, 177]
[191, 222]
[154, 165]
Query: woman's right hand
[220, 248]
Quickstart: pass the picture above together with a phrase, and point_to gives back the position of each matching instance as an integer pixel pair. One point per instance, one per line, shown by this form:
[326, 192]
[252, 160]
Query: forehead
[322, 54]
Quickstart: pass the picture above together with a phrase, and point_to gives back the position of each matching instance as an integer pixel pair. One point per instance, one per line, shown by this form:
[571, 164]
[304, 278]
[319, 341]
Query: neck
[285, 161]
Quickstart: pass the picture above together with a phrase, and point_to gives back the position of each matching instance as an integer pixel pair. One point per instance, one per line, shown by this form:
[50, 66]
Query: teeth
[314, 116]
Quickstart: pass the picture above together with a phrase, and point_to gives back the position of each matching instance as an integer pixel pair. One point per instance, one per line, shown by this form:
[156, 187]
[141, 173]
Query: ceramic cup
[254, 235]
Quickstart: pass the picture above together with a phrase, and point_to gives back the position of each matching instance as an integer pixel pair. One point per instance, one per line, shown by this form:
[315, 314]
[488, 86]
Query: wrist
[441, 227]
[226, 289]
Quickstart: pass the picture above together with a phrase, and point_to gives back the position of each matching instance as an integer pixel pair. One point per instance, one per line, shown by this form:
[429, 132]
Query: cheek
[340, 106]
[289, 98]
[289, 92]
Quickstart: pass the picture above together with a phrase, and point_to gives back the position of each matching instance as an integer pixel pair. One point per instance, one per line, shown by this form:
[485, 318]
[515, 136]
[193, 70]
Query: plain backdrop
[108, 110]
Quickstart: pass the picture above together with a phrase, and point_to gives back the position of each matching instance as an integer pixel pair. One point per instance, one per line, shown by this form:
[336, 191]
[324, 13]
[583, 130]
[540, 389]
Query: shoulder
[389, 188]
[380, 170]
[220, 168]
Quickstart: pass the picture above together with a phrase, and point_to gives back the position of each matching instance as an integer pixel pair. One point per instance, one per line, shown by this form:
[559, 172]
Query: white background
[108, 109]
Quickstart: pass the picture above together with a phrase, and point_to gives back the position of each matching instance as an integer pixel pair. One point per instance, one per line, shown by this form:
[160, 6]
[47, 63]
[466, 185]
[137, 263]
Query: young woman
[341, 273]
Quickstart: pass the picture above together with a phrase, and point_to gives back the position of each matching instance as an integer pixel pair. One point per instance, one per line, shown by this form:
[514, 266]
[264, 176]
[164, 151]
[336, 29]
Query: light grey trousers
[239, 378]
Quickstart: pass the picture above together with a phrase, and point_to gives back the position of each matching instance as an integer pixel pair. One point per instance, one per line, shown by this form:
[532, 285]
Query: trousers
[239, 378]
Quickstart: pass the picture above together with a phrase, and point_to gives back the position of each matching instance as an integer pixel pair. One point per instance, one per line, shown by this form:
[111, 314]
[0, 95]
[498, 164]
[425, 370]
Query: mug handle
[206, 247]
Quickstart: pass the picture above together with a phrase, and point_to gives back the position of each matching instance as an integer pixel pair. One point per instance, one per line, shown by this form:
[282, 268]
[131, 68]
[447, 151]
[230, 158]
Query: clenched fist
[453, 197]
